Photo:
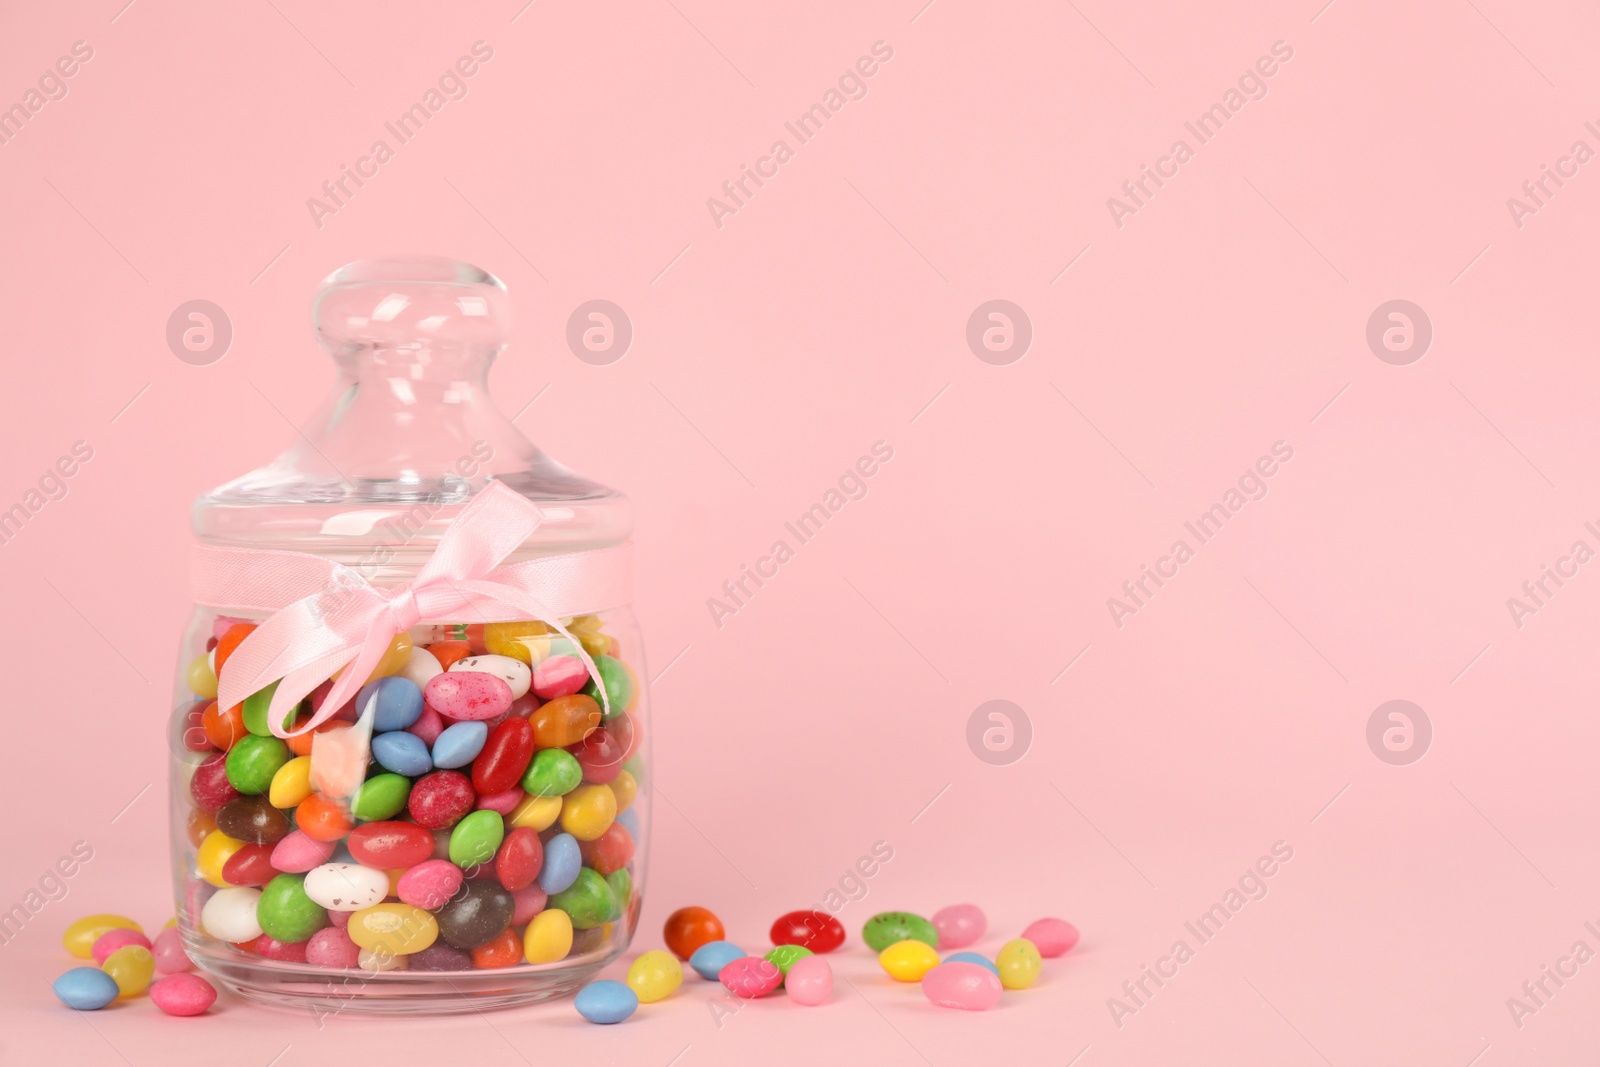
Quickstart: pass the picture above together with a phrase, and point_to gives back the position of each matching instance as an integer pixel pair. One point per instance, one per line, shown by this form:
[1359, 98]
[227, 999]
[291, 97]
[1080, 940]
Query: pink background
[830, 312]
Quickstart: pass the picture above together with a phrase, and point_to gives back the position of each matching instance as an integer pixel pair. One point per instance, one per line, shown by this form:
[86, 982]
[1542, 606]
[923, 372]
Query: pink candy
[467, 695]
[970, 986]
[183, 994]
[1052, 937]
[751, 977]
[809, 981]
[504, 803]
[273, 949]
[559, 676]
[959, 925]
[430, 884]
[111, 940]
[297, 853]
[528, 903]
[332, 947]
[169, 953]
[428, 726]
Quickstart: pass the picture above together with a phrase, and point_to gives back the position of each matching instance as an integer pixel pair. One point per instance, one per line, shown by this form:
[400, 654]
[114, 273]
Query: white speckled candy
[515, 673]
[346, 886]
[420, 667]
[230, 915]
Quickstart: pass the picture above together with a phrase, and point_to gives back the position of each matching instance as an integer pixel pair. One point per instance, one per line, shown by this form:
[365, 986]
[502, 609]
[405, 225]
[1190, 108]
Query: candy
[381, 959]
[183, 994]
[200, 678]
[209, 788]
[253, 820]
[559, 676]
[809, 981]
[689, 928]
[1052, 937]
[448, 654]
[291, 784]
[600, 755]
[256, 707]
[504, 803]
[429, 725]
[589, 900]
[331, 947]
[383, 796]
[553, 773]
[286, 912]
[519, 859]
[132, 967]
[252, 762]
[504, 757]
[346, 886]
[889, 927]
[459, 744]
[322, 817]
[475, 839]
[392, 930]
[564, 721]
[468, 695]
[476, 915]
[974, 957]
[513, 672]
[421, 666]
[230, 915]
[398, 656]
[287, 951]
[709, 959]
[111, 940]
[228, 641]
[504, 951]
[298, 853]
[909, 960]
[605, 1001]
[536, 813]
[618, 683]
[785, 956]
[222, 726]
[169, 953]
[959, 925]
[562, 861]
[401, 753]
[816, 930]
[440, 957]
[624, 786]
[430, 884]
[750, 977]
[250, 865]
[621, 883]
[88, 988]
[213, 855]
[1019, 963]
[612, 851]
[957, 984]
[440, 800]
[548, 937]
[529, 901]
[654, 976]
[396, 702]
[387, 845]
[588, 811]
[514, 639]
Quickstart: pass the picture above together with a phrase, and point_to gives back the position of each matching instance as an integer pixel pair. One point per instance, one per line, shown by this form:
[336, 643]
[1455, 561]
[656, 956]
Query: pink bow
[325, 616]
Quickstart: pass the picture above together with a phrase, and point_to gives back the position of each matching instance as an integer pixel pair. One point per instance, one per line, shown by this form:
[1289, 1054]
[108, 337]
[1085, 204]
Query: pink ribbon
[324, 616]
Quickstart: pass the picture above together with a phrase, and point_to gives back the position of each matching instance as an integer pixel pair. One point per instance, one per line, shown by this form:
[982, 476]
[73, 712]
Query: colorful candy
[957, 984]
[816, 930]
[468, 695]
[1052, 937]
[80, 937]
[554, 772]
[589, 900]
[908, 960]
[750, 977]
[786, 956]
[655, 975]
[959, 925]
[392, 929]
[346, 886]
[286, 911]
[132, 967]
[111, 940]
[548, 937]
[689, 928]
[183, 994]
[809, 981]
[430, 884]
[709, 959]
[889, 927]
[86, 988]
[508, 669]
[605, 1002]
[474, 840]
[973, 957]
[459, 744]
[478, 912]
[504, 757]
[562, 862]
[230, 915]
[1019, 963]
[169, 952]
[587, 811]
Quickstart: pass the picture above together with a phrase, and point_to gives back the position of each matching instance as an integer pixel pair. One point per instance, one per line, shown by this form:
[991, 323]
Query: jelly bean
[448, 654]
[654, 976]
[605, 1002]
[209, 788]
[397, 656]
[396, 702]
[287, 913]
[611, 851]
[213, 855]
[441, 799]
[514, 639]
[600, 755]
[392, 929]
[625, 787]
[709, 959]
[301, 744]
[169, 952]
[809, 981]
[441, 957]
[230, 915]
[401, 753]
[321, 817]
[529, 901]
[785, 956]
[618, 683]
[565, 721]
[1019, 963]
[908, 960]
[504, 951]
[346, 886]
[338, 920]
[513, 672]
[816, 930]
[750, 977]
[476, 915]
[588, 811]
[253, 820]
[284, 951]
[536, 813]
[524, 706]
[959, 925]
[85, 988]
[475, 839]
[386, 845]
[956, 984]
[250, 866]
[625, 729]
[383, 796]
[889, 927]
[504, 803]
[459, 744]
[331, 947]
[562, 862]
[430, 884]
[200, 678]
[553, 772]
[228, 642]
[469, 695]
[255, 709]
[621, 883]
[199, 824]
[689, 928]
[1052, 937]
[504, 757]
[973, 957]
[588, 900]
[299, 852]
[429, 725]
[519, 859]
[111, 940]
[252, 762]
[421, 666]
[194, 728]
[548, 937]
[559, 676]
[381, 959]
[183, 994]
[291, 784]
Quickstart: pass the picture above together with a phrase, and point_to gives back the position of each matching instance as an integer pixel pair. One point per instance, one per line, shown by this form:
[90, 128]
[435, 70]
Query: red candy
[250, 866]
[274, 949]
[600, 755]
[504, 757]
[390, 845]
[689, 928]
[520, 858]
[815, 930]
[210, 787]
[610, 852]
[441, 799]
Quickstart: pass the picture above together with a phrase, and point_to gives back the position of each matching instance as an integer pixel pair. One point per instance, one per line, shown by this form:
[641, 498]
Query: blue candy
[401, 753]
[562, 862]
[459, 744]
[630, 820]
[606, 1001]
[973, 957]
[88, 988]
[709, 959]
[399, 702]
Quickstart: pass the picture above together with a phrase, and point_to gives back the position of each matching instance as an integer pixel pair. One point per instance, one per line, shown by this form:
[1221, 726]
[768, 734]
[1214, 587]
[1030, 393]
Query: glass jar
[468, 827]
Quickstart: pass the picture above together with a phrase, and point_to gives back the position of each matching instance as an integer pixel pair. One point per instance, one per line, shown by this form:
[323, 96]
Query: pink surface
[771, 347]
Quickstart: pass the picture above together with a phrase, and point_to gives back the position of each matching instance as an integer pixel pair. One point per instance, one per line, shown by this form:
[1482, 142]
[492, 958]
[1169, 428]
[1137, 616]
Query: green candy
[784, 956]
[891, 927]
[554, 772]
[380, 797]
[621, 883]
[285, 913]
[253, 760]
[256, 706]
[619, 684]
[588, 902]
[476, 838]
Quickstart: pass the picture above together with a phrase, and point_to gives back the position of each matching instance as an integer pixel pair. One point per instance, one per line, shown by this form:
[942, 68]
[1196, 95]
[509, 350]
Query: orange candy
[223, 728]
[322, 818]
[301, 746]
[503, 951]
[689, 928]
[448, 652]
[231, 640]
[201, 823]
[565, 721]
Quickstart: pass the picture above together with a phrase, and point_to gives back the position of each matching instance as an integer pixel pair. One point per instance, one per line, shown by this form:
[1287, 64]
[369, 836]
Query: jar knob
[411, 302]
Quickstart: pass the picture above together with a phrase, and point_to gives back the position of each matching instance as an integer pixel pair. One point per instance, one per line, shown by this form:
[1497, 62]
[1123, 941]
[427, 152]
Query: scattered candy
[785, 956]
[750, 977]
[709, 959]
[909, 960]
[689, 928]
[958, 984]
[169, 952]
[80, 937]
[606, 1002]
[1019, 963]
[973, 957]
[183, 994]
[132, 967]
[1052, 937]
[809, 981]
[816, 930]
[86, 988]
[655, 975]
[959, 925]
[889, 927]
[111, 940]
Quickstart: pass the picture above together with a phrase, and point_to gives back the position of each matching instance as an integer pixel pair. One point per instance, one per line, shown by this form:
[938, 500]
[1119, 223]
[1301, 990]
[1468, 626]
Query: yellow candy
[536, 813]
[588, 811]
[625, 787]
[549, 937]
[392, 929]
[514, 639]
[591, 624]
[394, 660]
[201, 679]
[291, 784]
[81, 935]
[1019, 963]
[655, 975]
[132, 967]
[596, 644]
[908, 961]
[171, 923]
[215, 851]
